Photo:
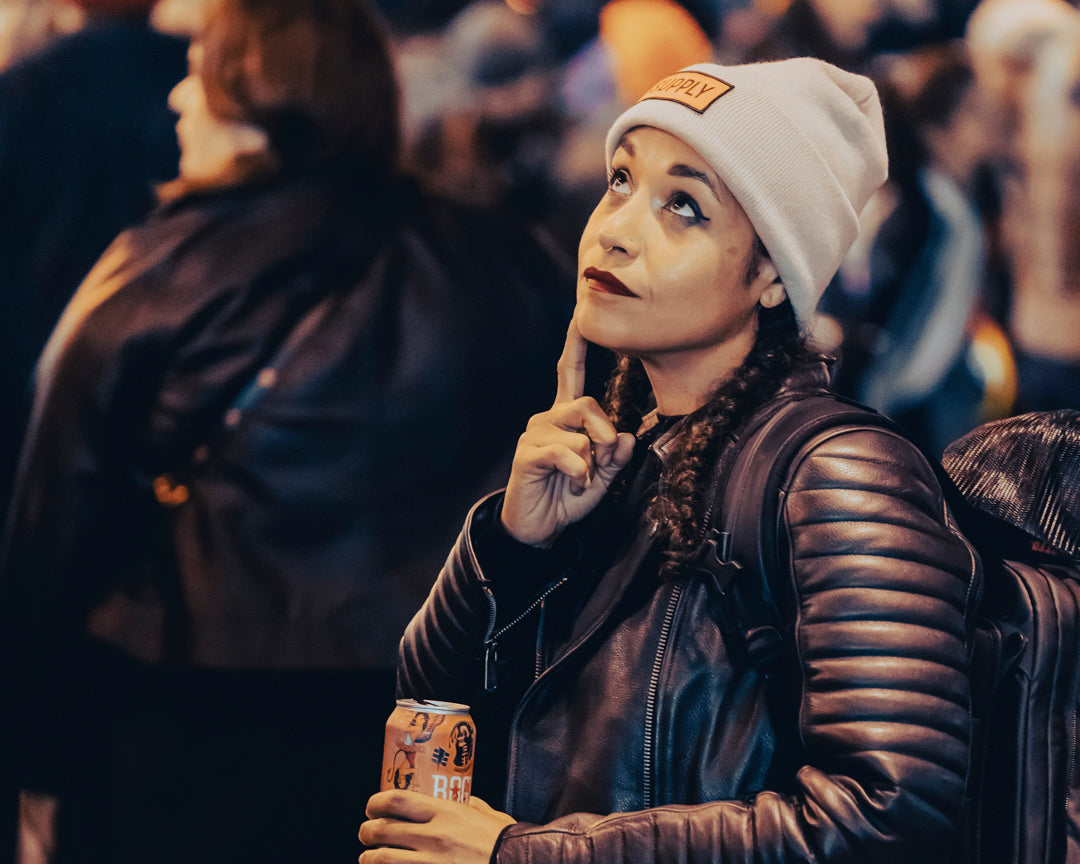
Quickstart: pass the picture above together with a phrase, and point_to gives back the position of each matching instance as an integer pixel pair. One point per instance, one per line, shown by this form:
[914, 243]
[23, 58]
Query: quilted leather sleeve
[884, 591]
[438, 654]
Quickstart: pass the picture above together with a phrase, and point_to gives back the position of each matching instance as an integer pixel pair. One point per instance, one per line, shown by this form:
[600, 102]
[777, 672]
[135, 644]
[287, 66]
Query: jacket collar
[809, 378]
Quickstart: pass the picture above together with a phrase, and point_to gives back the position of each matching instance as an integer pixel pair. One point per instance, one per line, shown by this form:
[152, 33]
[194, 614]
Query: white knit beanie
[800, 144]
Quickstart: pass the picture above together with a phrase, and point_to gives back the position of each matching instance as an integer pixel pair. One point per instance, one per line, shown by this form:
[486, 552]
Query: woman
[733, 193]
[227, 508]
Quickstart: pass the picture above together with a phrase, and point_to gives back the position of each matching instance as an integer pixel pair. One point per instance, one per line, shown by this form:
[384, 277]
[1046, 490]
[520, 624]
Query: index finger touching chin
[571, 366]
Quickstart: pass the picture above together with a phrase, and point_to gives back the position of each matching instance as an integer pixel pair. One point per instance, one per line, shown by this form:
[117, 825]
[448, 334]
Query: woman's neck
[683, 381]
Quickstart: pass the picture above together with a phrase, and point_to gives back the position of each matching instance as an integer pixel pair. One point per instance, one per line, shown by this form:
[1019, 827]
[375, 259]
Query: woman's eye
[619, 183]
[683, 205]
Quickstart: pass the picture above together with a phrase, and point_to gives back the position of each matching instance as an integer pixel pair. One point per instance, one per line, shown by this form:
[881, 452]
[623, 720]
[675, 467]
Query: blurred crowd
[960, 302]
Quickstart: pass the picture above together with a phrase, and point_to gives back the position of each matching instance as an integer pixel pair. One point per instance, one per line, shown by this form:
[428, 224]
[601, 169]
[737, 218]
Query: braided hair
[779, 348]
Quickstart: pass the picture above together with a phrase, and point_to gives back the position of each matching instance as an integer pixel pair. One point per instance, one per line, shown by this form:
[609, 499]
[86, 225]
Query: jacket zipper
[653, 696]
[489, 595]
[491, 643]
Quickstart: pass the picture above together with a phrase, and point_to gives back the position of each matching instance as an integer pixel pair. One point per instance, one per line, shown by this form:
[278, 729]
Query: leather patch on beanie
[695, 90]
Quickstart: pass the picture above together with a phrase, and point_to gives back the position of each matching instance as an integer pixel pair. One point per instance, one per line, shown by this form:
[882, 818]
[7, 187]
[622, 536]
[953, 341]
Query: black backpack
[1013, 487]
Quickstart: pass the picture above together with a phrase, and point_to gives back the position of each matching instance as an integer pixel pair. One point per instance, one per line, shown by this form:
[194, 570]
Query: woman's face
[666, 265]
[209, 145]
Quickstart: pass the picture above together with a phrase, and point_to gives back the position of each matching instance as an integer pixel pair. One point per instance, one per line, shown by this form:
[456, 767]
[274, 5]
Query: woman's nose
[619, 231]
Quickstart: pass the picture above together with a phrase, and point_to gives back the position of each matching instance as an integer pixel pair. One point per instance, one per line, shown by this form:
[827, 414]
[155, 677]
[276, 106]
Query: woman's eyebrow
[681, 170]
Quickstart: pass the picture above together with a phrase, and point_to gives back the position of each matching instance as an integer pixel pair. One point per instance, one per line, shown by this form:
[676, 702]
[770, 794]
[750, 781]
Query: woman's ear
[767, 271]
[774, 292]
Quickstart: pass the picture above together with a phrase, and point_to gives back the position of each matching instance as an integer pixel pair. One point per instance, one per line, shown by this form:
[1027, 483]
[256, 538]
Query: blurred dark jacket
[313, 527]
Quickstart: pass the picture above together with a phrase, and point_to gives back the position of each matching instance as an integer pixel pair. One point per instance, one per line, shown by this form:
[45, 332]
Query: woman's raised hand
[566, 458]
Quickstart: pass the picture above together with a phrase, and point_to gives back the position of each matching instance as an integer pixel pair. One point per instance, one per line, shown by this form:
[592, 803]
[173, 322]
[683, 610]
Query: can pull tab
[491, 659]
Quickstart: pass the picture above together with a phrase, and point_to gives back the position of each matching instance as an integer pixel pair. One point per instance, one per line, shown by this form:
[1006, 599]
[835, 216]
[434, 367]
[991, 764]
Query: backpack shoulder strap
[740, 552]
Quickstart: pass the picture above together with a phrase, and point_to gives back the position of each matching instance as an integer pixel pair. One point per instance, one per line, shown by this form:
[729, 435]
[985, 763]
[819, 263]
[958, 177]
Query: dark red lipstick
[607, 283]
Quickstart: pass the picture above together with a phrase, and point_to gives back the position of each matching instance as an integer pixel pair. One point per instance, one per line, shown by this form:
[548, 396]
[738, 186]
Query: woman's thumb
[624, 450]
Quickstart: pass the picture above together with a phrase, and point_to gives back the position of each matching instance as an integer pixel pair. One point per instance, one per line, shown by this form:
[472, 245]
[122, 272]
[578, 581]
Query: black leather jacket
[640, 734]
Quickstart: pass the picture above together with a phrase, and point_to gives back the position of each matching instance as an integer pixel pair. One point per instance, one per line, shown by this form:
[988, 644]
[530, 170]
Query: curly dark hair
[779, 348]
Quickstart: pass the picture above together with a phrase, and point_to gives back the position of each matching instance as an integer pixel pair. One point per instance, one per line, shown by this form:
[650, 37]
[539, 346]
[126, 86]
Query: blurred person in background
[483, 123]
[85, 134]
[255, 427]
[849, 33]
[837, 31]
[1043, 234]
[1024, 53]
[910, 348]
[1004, 39]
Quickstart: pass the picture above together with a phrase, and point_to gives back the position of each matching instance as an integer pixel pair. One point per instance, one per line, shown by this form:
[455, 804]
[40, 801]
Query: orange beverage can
[429, 748]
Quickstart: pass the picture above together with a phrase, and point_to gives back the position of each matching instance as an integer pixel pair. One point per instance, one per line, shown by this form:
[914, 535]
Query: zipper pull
[723, 554]
[491, 658]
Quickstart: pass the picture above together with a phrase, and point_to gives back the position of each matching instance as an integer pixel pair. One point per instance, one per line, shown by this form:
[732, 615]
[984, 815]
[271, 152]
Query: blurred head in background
[1004, 38]
[1050, 162]
[182, 17]
[944, 116]
[283, 85]
[648, 39]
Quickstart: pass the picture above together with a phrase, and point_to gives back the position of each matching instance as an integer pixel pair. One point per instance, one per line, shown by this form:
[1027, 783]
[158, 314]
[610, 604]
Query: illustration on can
[429, 748]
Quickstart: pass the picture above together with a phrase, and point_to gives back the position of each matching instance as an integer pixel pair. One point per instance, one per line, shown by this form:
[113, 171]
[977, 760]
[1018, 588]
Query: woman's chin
[595, 329]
